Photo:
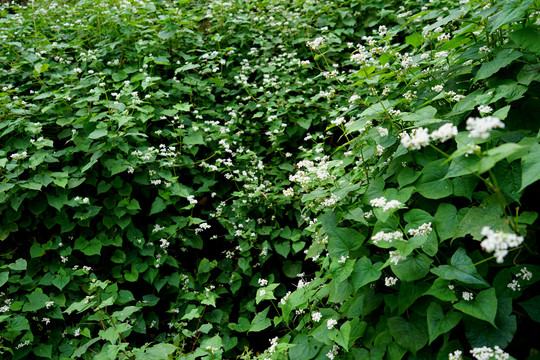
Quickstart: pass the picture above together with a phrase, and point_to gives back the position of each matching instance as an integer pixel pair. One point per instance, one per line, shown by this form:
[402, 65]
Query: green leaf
[119, 257]
[441, 291]
[446, 221]
[412, 335]
[193, 139]
[461, 269]
[82, 349]
[166, 34]
[304, 349]
[529, 73]
[159, 352]
[41, 68]
[527, 38]
[119, 76]
[206, 265]
[512, 11]
[36, 250]
[530, 167]
[260, 321]
[436, 189]
[98, 133]
[365, 272]
[412, 268]
[116, 166]
[43, 350]
[503, 58]
[19, 265]
[340, 240]
[4, 277]
[531, 306]
[162, 60]
[60, 281]
[479, 334]
[415, 40]
[158, 206]
[438, 322]
[36, 301]
[483, 307]
[409, 292]
[489, 213]
[93, 248]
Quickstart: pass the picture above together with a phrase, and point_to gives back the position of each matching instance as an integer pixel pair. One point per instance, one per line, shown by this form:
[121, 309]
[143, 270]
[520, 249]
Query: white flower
[499, 242]
[480, 127]
[288, 192]
[418, 138]
[343, 259]
[262, 282]
[484, 109]
[77, 332]
[262, 292]
[514, 285]
[354, 98]
[382, 131]
[437, 88]
[390, 281]
[48, 304]
[379, 150]
[467, 296]
[525, 274]
[486, 353]
[385, 205]
[316, 316]
[456, 355]
[317, 43]
[330, 323]
[382, 236]
[378, 202]
[338, 121]
[395, 256]
[444, 133]
[273, 344]
[424, 229]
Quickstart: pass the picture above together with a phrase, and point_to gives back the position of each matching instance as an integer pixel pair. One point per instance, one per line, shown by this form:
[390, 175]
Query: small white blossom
[444, 133]
[390, 281]
[330, 323]
[418, 138]
[424, 229]
[467, 296]
[499, 242]
[484, 109]
[456, 355]
[395, 256]
[316, 316]
[480, 127]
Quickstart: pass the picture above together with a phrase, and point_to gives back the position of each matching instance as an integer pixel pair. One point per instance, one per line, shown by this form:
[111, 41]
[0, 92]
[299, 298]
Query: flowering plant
[267, 179]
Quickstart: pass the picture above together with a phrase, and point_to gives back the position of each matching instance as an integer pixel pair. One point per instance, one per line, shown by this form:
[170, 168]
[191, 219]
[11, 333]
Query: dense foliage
[269, 179]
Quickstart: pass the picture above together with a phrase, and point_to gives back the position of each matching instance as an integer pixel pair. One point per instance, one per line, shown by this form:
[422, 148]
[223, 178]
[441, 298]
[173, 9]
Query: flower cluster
[499, 242]
[480, 127]
[389, 237]
[424, 229]
[390, 281]
[487, 353]
[385, 204]
[420, 137]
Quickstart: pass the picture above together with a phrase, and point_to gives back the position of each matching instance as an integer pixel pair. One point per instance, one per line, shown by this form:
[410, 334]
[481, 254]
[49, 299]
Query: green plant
[269, 179]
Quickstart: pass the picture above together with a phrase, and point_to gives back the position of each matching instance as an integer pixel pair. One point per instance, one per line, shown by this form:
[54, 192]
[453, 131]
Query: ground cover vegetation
[264, 179]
